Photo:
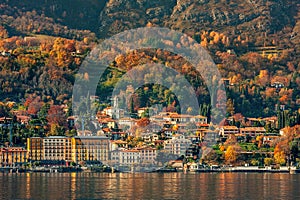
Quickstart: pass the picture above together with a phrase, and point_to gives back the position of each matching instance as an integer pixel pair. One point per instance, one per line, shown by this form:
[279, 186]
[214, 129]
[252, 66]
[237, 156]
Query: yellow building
[13, 156]
[76, 149]
[35, 148]
[90, 148]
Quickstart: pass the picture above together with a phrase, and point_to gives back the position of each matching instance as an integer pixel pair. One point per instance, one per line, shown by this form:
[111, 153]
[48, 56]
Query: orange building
[13, 156]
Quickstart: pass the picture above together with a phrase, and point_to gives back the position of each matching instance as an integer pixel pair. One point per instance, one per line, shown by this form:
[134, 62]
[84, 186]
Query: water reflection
[149, 186]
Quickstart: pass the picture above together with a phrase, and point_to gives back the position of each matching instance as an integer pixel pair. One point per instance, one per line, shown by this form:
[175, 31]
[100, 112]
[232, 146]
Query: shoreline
[290, 170]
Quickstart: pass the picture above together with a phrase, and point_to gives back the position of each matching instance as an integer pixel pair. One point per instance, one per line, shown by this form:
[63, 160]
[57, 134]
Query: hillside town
[163, 140]
[40, 58]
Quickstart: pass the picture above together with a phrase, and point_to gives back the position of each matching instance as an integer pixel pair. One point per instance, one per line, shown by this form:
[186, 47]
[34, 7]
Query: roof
[176, 115]
[91, 137]
[229, 127]
[253, 129]
[147, 148]
[118, 142]
[130, 150]
[200, 124]
[55, 137]
[200, 116]
[13, 149]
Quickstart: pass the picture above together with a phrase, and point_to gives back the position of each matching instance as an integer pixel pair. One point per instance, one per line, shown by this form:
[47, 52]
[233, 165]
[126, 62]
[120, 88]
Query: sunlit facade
[76, 149]
[13, 156]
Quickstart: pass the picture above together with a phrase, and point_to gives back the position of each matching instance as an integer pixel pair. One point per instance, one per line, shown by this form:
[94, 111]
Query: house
[252, 131]
[254, 121]
[182, 128]
[132, 157]
[157, 118]
[193, 151]
[108, 111]
[200, 130]
[23, 119]
[199, 119]
[225, 131]
[142, 111]
[176, 118]
[147, 137]
[155, 137]
[150, 137]
[111, 123]
[167, 133]
[126, 123]
[114, 157]
[107, 123]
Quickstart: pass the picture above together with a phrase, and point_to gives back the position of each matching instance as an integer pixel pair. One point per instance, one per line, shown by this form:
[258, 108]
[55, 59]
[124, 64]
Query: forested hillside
[254, 43]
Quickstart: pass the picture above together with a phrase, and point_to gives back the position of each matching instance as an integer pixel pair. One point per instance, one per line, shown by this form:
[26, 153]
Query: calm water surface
[149, 186]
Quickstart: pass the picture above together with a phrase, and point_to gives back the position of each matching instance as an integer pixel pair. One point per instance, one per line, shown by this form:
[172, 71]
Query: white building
[148, 155]
[177, 145]
[129, 157]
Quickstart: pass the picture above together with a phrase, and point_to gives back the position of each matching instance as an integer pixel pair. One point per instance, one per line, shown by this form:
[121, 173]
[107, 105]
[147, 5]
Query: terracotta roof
[119, 142]
[130, 150]
[199, 124]
[253, 129]
[229, 127]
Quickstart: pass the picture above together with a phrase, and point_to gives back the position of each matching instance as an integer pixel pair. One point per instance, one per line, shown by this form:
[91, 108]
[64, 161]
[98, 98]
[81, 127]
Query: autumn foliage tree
[143, 122]
[61, 52]
[56, 116]
[230, 155]
[279, 155]
[35, 106]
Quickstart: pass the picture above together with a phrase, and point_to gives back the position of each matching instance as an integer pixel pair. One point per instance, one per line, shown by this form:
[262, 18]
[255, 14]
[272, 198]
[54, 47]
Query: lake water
[149, 186]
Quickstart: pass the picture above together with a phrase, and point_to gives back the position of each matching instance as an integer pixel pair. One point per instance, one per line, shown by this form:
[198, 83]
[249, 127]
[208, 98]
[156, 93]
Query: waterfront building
[147, 155]
[90, 148]
[177, 145]
[128, 157]
[57, 148]
[76, 149]
[35, 148]
[13, 156]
